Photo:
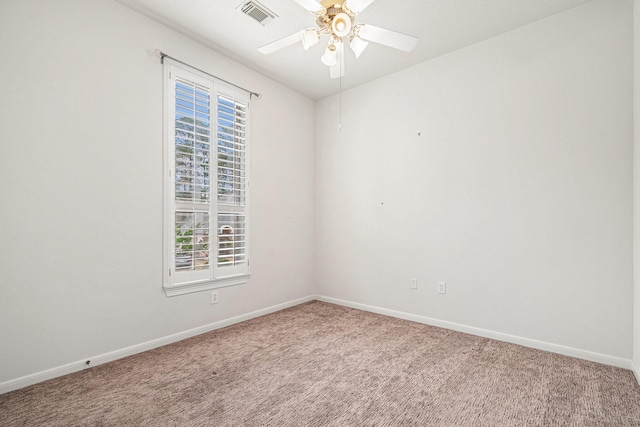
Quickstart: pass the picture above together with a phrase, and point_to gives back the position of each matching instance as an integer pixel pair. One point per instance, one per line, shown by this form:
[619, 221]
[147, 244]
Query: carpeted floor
[319, 364]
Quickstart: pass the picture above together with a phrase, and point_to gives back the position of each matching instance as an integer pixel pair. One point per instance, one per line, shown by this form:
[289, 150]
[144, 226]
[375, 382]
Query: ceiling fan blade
[386, 37]
[311, 5]
[280, 44]
[357, 6]
[337, 70]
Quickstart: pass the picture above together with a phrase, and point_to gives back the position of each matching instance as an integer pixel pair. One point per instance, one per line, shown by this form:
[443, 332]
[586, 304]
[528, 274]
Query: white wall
[81, 186]
[504, 169]
[636, 191]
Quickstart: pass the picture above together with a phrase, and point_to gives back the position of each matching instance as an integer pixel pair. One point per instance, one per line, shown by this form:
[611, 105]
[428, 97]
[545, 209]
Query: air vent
[257, 11]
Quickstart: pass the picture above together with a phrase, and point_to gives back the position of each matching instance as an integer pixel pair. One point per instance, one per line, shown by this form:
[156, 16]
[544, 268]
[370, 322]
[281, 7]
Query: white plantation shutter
[206, 221]
[192, 130]
[192, 142]
[192, 241]
[231, 117]
[231, 182]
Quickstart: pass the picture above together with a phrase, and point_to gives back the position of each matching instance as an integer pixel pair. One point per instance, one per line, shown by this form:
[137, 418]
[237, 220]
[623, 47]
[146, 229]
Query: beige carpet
[319, 364]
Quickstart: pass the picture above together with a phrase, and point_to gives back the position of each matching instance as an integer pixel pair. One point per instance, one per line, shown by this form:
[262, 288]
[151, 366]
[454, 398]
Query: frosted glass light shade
[358, 46]
[309, 37]
[329, 58]
[341, 24]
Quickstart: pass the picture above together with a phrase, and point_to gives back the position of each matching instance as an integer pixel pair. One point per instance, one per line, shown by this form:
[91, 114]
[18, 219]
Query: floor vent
[257, 11]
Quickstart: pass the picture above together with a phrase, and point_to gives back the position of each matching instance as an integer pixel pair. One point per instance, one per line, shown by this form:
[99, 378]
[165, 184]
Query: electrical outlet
[442, 287]
[214, 297]
[414, 284]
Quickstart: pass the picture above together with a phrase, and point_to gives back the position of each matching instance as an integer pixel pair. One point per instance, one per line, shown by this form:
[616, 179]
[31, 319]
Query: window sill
[205, 285]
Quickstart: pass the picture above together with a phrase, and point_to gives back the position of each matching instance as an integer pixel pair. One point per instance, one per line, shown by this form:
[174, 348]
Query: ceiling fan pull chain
[340, 96]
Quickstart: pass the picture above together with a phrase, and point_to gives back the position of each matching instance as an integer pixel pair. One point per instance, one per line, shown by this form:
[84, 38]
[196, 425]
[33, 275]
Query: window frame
[213, 276]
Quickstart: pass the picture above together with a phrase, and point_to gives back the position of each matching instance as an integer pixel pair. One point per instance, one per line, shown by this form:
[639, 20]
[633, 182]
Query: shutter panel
[193, 147]
[192, 241]
[231, 182]
[192, 176]
[231, 151]
[231, 239]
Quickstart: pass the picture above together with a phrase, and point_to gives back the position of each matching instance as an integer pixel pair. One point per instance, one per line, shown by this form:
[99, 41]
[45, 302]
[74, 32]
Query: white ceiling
[441, 25]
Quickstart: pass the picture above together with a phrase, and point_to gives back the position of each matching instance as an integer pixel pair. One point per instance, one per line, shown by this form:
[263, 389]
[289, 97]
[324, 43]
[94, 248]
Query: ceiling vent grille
[257, 11]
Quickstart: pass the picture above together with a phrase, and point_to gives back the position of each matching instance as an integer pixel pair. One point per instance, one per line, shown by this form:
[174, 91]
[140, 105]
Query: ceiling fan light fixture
[310, 37]
[330, 58]
[337, 20]
[341, 24]
[358, 45]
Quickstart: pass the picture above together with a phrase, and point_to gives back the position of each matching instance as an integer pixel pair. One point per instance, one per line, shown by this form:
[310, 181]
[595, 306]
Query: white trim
[69, 368]
[526, 342]
[205, 285]
[636, 371]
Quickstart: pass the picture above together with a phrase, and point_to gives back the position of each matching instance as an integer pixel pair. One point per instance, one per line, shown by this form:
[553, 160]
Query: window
[206, 236]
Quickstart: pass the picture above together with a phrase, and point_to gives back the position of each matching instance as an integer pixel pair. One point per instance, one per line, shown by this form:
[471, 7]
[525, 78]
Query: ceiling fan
[336, 18]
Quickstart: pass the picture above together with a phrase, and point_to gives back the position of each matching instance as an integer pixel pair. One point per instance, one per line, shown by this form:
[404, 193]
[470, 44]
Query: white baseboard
[636, 371]
[526, 342]
[69, 368]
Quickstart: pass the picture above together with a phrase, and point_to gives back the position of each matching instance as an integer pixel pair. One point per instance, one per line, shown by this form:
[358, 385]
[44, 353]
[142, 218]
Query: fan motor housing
[329, 3]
